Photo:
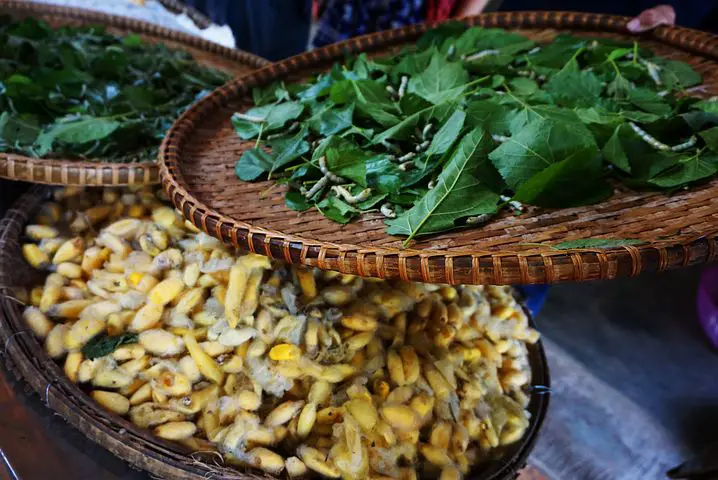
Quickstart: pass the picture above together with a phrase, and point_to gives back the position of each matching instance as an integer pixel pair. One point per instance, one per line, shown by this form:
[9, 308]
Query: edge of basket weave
[200, 20]
[137, 446]
[458, 267]
[96, 173]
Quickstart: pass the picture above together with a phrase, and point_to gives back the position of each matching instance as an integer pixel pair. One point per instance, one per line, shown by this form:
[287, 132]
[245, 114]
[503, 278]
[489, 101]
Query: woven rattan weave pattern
[197, 167]
[73, 172]
[137, 446]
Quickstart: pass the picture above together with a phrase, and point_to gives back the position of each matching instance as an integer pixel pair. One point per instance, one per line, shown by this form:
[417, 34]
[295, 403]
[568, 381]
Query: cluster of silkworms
[275, 367]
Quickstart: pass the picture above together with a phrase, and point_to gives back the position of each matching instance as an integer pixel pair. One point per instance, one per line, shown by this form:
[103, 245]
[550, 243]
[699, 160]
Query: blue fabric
[343, 19]
[273, 29]
[534, 297]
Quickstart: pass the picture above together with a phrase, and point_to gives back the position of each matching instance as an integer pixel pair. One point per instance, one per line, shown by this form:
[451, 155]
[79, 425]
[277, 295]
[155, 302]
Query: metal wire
[46, 400]
[540, 389]
[7, 342]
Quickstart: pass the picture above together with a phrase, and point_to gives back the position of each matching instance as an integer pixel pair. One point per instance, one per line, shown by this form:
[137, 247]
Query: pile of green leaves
[512, 123]
[84, 93]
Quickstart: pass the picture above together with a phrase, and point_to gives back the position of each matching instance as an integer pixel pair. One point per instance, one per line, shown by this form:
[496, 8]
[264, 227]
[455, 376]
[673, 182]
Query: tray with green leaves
[464, 148]
[87, 97]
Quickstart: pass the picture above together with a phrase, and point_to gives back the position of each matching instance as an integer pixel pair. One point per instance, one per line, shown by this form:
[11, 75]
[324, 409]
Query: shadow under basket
[26, 357]
[61, 171]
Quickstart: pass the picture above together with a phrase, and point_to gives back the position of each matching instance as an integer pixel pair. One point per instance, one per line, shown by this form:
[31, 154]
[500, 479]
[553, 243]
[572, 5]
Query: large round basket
[59, 171]
[27, 357]
[198, 156]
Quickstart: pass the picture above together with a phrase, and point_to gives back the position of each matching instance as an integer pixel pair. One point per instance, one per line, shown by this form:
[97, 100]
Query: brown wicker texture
[197, 17]
[27, 357]
[197, 167]
[74, 172]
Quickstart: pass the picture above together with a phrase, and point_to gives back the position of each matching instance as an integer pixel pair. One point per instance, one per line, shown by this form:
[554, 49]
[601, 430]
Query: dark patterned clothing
[343, 19]
[273, 29]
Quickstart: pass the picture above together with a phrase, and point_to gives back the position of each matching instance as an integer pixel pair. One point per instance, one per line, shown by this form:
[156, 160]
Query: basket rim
[75, 172]
[534, 265]
[26, 354]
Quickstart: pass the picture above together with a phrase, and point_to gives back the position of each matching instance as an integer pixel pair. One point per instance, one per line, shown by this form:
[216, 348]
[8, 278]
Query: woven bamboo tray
[25, 355]
[73, 172]
[199, 152]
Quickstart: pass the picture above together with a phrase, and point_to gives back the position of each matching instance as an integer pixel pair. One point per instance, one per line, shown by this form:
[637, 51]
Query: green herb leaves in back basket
[468, 122]
[84, 93]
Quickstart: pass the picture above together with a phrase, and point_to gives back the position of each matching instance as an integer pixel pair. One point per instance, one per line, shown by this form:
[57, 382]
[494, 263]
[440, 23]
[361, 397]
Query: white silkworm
[402, 85]
[406, 157]
[327, 173]
[293, 127]
[646, 137]
[426, 130]
[504, 198]
[653, 71]
[249, 118]
[451, 51]
[499, 138]
[422, 146]
[323, 182]
[478, 219]
[685, 145]
[481, 54]
[390, 89]
[533, 50]
[387, 211]
[663, 93]
[390, 146]
[348, 197]
[432, 184]
[697, 88]
[652, 141]
[406, 166]
[516, 205]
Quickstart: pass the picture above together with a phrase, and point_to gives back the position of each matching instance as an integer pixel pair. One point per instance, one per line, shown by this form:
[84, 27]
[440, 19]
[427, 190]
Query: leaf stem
[523, 104]
[259, 137]
[615, 67]
[575, 56]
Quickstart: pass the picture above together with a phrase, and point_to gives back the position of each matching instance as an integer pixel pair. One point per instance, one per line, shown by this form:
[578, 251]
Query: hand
[651, 18]
[467, 8]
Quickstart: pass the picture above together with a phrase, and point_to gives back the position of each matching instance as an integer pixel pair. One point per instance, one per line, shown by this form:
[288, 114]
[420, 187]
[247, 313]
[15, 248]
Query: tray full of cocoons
[208, 361]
